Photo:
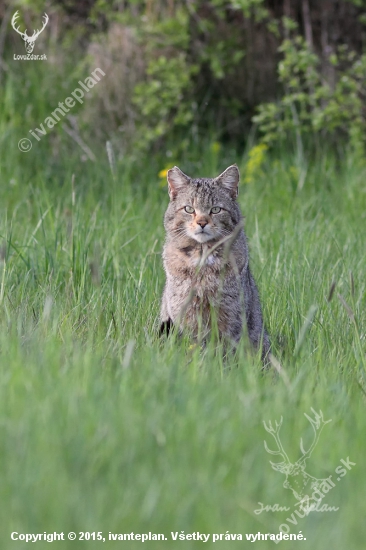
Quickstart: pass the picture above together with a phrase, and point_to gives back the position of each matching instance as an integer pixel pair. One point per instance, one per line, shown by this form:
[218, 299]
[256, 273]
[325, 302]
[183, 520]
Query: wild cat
[206, 261]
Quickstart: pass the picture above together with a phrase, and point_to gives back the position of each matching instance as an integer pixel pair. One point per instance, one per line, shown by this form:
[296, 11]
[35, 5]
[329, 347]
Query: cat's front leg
[166, 323]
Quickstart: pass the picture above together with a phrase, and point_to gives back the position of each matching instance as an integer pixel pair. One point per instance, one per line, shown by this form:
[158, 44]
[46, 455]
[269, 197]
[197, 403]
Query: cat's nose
[202, 223]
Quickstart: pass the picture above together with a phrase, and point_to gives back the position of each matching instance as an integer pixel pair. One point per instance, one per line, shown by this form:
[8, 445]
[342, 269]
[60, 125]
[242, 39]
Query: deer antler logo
[297, 479]
[29, 40]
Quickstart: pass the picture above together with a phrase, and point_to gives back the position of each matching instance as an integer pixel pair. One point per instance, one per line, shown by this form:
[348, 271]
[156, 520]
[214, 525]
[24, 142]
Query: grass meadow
[106, 428]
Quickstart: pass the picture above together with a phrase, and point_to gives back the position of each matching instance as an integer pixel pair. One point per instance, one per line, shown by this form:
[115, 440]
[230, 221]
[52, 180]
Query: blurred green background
[190, 68]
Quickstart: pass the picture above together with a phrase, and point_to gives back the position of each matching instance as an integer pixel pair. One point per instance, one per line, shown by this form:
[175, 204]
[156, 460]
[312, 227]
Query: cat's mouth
[202, 236]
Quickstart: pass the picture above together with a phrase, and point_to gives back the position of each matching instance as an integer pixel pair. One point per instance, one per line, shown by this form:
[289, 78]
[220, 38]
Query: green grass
[104, 427]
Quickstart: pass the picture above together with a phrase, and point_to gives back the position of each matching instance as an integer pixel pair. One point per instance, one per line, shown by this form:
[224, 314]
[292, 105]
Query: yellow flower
[192, 347]
[163, 173]
[215, 147]
[254, 164]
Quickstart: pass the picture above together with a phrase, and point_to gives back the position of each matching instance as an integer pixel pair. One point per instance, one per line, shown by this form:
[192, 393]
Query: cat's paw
[166, 327]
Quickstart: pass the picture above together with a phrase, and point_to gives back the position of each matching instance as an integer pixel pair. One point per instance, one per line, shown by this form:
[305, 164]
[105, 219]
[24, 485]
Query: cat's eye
[189, 209]
[215, 210]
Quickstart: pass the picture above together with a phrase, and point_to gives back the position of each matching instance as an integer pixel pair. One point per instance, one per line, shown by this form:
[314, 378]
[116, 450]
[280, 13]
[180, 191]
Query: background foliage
[291, 67]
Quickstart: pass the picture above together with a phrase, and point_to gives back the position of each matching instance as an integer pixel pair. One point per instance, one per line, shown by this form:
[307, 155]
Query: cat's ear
[230, 180]
[176, 180]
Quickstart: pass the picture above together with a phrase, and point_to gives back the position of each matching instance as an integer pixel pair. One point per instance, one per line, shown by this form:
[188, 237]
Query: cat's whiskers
[224, 232]
[179, 234]
[179, 230]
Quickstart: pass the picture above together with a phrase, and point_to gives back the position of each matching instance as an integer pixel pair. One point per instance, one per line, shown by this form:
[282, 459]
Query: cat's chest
[200, 258]
[196, 269]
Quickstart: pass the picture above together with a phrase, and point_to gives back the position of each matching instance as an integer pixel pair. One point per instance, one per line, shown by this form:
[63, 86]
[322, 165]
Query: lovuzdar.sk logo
[29, 41]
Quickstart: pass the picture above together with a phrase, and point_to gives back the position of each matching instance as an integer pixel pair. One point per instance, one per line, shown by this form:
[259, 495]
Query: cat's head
[202, 209]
